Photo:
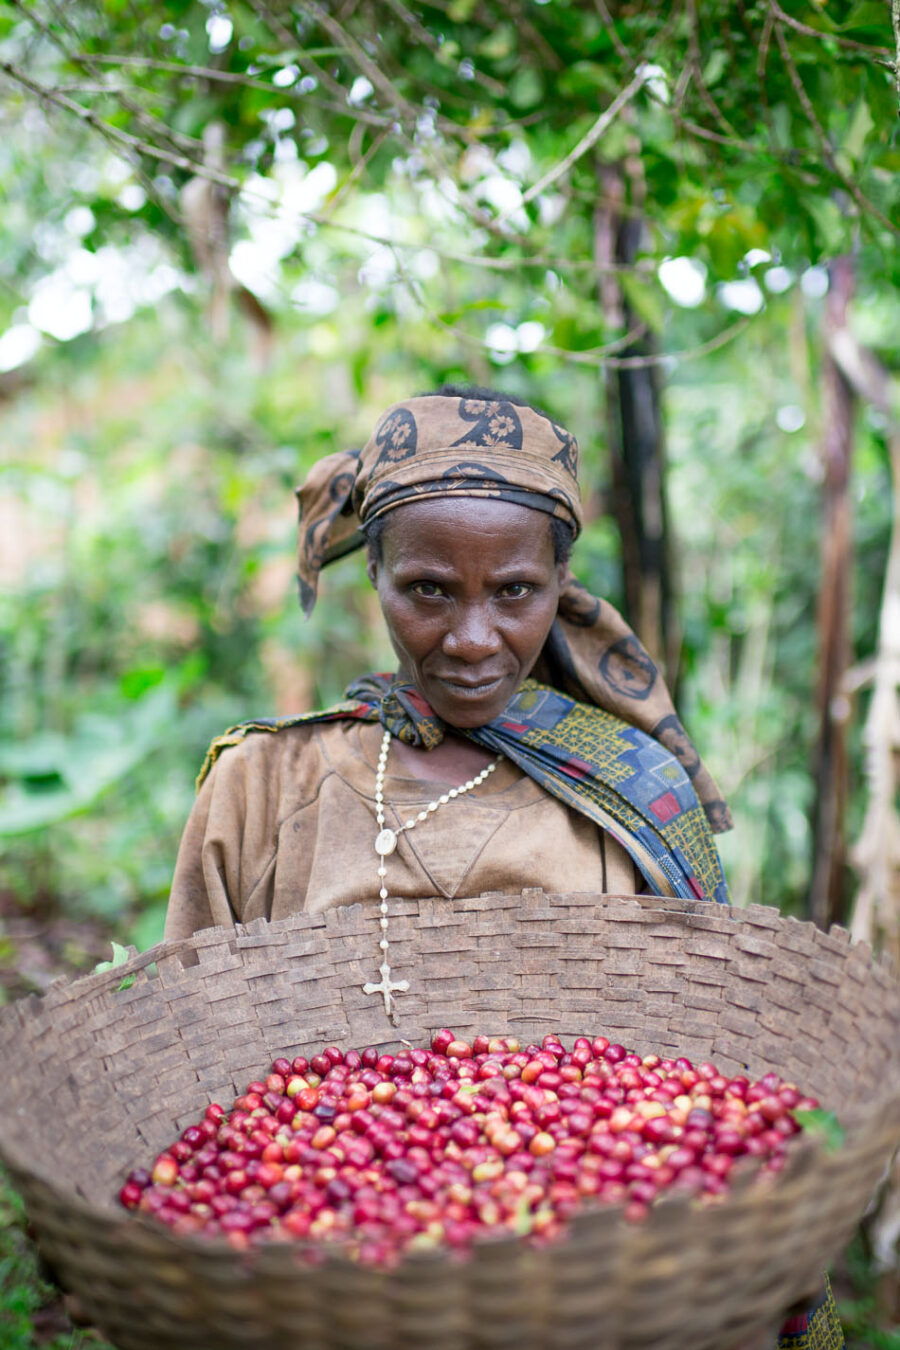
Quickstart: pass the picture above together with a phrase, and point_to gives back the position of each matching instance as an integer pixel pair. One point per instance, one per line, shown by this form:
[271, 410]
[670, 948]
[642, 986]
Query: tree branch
[694, 58]
[619, 46]
[86, 61]
[854, 190]
[605, 120]
[369, 68]
[600, 357]
[248, 82]
[831, 37]
[115, 134]
[494, 87]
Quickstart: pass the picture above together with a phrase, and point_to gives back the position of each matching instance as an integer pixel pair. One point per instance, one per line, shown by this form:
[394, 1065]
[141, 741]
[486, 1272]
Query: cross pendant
[386, 989]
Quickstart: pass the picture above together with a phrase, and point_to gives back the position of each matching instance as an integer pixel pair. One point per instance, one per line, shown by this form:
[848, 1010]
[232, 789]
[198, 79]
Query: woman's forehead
[478, 518]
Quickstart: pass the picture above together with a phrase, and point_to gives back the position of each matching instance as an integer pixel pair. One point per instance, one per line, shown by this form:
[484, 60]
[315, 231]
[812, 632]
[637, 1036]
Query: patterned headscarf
[446, 445]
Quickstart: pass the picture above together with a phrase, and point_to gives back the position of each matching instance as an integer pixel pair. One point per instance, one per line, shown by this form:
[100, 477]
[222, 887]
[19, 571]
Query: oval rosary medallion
[385, 842]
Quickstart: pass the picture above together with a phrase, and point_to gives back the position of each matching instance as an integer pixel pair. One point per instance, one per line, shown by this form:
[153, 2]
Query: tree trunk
[635, 434]
[827, 899]
[876, 853]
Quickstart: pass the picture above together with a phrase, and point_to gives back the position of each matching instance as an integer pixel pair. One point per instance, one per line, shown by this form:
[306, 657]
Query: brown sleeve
[199, 896]
[229, 841]
[226, 861]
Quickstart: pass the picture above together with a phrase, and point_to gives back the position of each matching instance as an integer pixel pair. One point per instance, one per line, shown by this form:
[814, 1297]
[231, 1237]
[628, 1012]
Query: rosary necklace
[385, 843]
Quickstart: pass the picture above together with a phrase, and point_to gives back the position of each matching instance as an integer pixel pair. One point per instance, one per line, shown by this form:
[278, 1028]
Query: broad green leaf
[499, 43]
[119, 957]
[861, 124]
[139, 679]
[867, 14]
[715, 67]
[584, 80]
[67, 774]
[821, 1124]
[461, 10]
[526, 88]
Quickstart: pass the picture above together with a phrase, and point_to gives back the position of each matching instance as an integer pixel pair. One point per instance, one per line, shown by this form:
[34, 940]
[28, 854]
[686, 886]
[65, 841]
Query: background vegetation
[233, 233]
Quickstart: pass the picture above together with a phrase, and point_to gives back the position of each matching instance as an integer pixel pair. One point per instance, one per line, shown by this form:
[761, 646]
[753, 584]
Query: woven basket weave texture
[100, 1078]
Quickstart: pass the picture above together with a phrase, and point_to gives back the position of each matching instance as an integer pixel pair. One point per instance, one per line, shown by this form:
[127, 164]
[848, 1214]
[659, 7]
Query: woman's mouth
[469, 688]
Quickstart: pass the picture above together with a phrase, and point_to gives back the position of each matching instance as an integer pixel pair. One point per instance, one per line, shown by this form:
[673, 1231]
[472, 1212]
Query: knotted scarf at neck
[613, 773]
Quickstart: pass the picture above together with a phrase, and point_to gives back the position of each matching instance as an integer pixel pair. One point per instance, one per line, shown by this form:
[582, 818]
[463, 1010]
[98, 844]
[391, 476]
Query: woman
[586, 778]
[526, 738]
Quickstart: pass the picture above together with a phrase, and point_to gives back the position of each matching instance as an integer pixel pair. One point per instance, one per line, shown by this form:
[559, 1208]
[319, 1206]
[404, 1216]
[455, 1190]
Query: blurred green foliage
[378, 170]
[25, 1291]
[155, 602]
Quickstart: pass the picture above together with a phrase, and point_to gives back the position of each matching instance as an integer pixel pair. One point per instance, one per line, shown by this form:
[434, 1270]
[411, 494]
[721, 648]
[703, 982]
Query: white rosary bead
[386, 842]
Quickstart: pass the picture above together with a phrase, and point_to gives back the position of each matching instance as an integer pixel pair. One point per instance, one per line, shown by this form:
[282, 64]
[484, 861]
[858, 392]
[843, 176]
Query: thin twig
[596, 356]
[831, 159]
[292, 42]
[85, 60]
[618, 45]
[694, 57]
[197, 169]
[849, 43]
[356, 172]
[605, 120]
[250, 82]
[762, 55]
[115, 134]
[369, 68]
[422, 35]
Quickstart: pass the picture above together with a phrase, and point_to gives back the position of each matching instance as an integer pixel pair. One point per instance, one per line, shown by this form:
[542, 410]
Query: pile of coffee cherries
[384, 1153]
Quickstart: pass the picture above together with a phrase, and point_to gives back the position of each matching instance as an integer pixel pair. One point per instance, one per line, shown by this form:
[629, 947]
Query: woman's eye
[516, 590]
[428, 589]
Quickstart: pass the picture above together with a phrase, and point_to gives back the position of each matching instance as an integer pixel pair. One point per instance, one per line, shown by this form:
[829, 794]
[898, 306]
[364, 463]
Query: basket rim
[684, 911]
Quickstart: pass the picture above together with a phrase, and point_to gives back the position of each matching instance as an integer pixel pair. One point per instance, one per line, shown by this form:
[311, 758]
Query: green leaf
[499, 43]
[139, 679]
[860, 126]
[866, 14]
[821, 1124]
[526, 88]
[583, 80]
[645, 299]
[715, 67]
[461, 10]
[829, 225]
[119, 957]
[57, 777]
[524, 1219]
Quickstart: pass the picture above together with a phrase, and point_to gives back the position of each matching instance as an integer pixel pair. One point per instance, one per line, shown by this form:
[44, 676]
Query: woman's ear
[372, 570]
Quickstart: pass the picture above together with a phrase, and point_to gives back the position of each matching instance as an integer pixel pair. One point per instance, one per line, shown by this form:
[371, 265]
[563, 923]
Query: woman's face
[468, 588]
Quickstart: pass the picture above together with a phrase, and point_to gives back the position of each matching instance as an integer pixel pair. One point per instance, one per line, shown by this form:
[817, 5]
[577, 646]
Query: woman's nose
[472, 635]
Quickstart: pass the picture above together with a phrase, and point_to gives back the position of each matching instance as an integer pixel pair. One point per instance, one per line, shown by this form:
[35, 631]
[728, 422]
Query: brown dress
[285, 822]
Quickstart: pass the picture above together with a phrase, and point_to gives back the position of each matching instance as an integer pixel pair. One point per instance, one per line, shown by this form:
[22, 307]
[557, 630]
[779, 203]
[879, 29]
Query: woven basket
[99, 1078]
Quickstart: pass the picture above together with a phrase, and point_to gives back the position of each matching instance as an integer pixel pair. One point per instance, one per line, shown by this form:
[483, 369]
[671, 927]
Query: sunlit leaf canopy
[408, 193]
[464, 141]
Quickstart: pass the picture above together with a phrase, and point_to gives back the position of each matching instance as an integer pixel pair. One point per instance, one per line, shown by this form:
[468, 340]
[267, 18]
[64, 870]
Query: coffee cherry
[384, 1153]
